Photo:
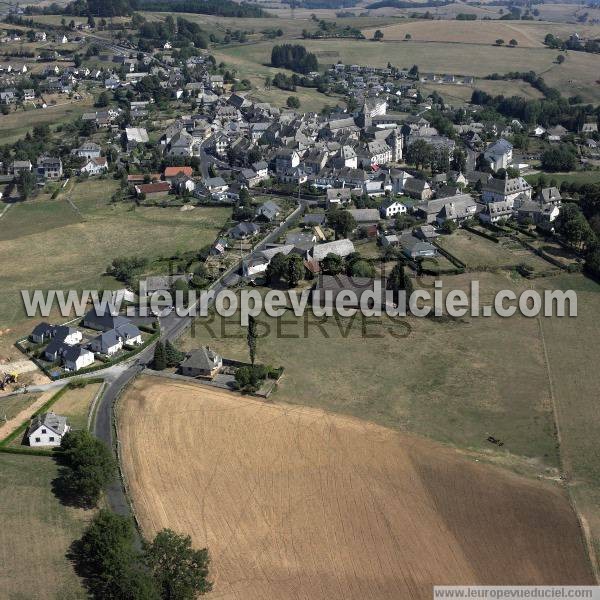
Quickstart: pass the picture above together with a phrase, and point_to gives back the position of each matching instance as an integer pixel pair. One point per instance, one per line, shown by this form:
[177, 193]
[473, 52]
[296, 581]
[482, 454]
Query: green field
[578, 70]
[46, 244]
[573, 177]
[442, 381]
[36, 531]
[479, 253]
[11, 406]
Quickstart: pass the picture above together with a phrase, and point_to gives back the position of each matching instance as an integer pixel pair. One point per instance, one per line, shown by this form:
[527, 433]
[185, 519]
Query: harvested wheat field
[296, 503]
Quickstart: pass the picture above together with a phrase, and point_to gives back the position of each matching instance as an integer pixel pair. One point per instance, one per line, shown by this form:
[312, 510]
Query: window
[51, 438]
[38, 440]
[43, 431]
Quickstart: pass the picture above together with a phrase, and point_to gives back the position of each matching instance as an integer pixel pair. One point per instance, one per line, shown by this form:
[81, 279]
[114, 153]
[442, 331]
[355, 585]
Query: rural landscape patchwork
[300, 299]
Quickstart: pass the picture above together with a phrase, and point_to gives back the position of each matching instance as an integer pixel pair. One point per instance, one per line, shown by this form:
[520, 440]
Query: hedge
[44, 408]
[487, 236]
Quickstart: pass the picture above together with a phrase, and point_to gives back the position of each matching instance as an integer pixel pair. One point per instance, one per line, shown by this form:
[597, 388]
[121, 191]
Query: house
[337, 197]
[42, 332]
[496, 211]
[171, 172]
[555, 134]
[28, 95]
[8, 97]
[454, 208]
[202, 362]
[515, 189]
[95, 166]
[261, 168]
[414, 248]
[417, 188]
[398, 179]
[302, 240]
[341, 248]
[314, 219]
[426, 232]
[499, 155]
[365, 216]
[88, 150]
[77, 357]
[47, 429]
[182, 144]
[157, 189]
[249, 178]
[244, 230]
[135, 136]
[268, 211]
[67, 335]
[215, 185]
[103, 321]
[390, 207]
[49, 167]
[285, 160]
[18, 166]
[111, 341]
[543, 210]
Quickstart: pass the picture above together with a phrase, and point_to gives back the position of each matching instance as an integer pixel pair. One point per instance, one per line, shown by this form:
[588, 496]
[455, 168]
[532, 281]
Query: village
[154, 163]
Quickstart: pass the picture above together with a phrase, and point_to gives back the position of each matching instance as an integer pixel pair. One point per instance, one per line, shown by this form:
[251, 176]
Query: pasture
[67, 249]
[436, 378]
[299, 503]
[578, 70]
[36, 531]
[479, 253]
[75, 404]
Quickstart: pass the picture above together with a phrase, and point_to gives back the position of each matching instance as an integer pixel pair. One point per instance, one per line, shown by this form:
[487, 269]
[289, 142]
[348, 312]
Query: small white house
[77, 357]
[390, 208]
[47, 430]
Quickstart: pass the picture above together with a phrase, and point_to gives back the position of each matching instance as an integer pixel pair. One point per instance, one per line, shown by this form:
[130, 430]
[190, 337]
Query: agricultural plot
[479, 253]
[75, 404]
[11, 406]
[36, 531]
[295, 502]
[528, 34]
[69, 246]
[443, 57]
[435, 378]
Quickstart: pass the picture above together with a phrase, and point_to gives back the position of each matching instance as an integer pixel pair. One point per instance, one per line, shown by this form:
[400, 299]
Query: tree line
[294, 57]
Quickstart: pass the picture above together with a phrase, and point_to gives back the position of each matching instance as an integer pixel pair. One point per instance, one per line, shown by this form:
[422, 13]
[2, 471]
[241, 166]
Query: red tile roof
[172, 171]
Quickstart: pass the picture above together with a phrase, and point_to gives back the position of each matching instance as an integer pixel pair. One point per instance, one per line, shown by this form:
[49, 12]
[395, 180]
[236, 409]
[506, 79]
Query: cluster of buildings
[74, 350]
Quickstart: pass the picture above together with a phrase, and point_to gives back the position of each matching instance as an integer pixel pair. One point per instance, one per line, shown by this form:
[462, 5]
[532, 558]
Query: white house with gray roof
[47, 429]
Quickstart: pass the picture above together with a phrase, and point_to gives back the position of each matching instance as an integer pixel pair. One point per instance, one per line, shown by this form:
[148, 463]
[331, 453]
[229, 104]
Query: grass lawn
[75, 404]
[477, 252]
[572, 177]
[11, 406]
[441, 381]
[46, 244]
[36, 531]
[16, 124]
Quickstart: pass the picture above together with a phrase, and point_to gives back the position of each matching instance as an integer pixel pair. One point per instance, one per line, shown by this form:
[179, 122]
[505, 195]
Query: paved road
[117, 377]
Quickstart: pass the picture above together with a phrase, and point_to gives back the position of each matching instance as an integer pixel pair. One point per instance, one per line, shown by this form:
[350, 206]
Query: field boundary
[564, 461]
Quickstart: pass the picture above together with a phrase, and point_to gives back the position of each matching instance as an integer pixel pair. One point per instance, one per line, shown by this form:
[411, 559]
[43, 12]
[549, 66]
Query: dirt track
[295, 503]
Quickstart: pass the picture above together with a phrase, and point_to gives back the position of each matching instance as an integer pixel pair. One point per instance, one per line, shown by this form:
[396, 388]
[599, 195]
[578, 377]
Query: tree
[559, 158]
[361, 268]
[180, 571]
[408, 36]
[513, 43]
[449, 226]
[276, 269]
[341, 221]
[172, 356]
[398, 281]
[499, 42]
[293, 102]
[89, 468]
[332, 264]
[459, 160]
[160, 357]
[560, 59]
[295, 270]
[103, 100]
[251, 338]
[106, 557]
[378, 35]
[26, 183]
